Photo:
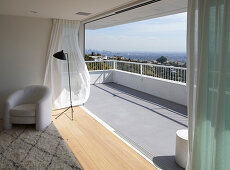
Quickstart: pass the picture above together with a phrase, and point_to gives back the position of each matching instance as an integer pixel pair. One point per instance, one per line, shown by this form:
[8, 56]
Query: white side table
[182, 147]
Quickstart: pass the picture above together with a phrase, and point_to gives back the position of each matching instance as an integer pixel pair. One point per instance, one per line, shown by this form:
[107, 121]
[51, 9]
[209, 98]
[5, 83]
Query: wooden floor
[95, 147]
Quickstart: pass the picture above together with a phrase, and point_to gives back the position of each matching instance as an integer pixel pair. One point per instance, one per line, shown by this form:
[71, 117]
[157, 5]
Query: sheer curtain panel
[208, 50]
[64, 36]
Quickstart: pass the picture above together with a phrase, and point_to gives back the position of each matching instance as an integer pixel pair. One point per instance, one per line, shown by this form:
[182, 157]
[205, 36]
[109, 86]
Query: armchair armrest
[44, 111]
[13, 100]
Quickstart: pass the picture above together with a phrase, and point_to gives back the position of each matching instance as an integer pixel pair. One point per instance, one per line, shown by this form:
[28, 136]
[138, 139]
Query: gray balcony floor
[147, 122]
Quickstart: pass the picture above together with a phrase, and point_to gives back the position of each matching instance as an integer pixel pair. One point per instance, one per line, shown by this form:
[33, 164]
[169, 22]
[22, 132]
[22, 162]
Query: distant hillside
[172, 56]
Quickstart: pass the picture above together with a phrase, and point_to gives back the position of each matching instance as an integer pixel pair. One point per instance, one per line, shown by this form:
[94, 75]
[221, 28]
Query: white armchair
[31, 105]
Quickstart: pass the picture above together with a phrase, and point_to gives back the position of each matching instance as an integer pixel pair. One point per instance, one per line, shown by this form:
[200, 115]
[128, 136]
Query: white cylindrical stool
[182, 147]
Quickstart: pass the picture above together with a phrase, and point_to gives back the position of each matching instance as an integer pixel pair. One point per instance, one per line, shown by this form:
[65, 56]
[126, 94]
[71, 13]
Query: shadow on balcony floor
[147, 122]
[166, 162]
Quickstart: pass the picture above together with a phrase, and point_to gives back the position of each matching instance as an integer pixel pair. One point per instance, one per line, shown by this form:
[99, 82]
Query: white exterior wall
[165, 89]
[97, 77]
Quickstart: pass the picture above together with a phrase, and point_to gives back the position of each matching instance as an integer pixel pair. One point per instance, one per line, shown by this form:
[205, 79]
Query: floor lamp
[64, 56]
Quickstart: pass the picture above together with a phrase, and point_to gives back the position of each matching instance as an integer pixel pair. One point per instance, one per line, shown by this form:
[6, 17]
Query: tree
[88, 58]
[98, 54]
[162, 59]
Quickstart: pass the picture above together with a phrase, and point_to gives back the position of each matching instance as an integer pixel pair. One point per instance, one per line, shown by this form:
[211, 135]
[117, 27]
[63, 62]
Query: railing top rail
[155, 65]
[146, 64]
[100, 61]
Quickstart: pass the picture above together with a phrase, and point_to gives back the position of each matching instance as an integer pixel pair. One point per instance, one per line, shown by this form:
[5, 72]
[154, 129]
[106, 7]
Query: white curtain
[64, 36]
[208, 52]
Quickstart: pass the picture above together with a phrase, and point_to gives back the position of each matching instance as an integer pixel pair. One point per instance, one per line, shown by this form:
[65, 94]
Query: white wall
[23, 47]
[81, 38]
[101, 76]
[165, 89]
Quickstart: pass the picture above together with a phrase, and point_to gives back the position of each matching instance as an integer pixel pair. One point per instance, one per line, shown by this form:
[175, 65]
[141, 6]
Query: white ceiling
[157, 9]
[67, 9]
[61, 9]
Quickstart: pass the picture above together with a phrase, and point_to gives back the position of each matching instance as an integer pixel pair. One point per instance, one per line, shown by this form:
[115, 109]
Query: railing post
[141, 69]
[114, 64]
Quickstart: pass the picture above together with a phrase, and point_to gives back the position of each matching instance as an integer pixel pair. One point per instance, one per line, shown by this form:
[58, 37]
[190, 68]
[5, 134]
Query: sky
[164, 34]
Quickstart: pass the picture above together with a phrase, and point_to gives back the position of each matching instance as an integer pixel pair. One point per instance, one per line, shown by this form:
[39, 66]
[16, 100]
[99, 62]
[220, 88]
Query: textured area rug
[23, 147]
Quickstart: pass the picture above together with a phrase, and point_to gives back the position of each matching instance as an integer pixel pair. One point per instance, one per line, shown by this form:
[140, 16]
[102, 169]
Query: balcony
[166, 82]
[144, 104]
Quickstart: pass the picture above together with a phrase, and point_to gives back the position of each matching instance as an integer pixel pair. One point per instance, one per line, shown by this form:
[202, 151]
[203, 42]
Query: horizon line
[139, 51]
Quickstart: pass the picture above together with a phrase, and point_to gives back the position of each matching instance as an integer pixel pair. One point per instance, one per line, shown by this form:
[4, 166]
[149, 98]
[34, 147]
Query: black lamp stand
[64, 56]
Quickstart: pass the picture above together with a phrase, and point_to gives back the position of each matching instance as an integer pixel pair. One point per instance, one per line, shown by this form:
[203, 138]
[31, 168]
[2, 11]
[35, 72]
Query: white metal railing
[100, 65]
[161, 71]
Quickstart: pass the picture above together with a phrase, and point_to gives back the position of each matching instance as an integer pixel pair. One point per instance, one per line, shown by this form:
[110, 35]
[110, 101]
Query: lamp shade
[60, 55]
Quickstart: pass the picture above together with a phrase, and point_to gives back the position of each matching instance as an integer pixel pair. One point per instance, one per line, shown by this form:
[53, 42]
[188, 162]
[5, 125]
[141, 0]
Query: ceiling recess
[83, 13]
[126, 9]
[137, 6]
[34, 12]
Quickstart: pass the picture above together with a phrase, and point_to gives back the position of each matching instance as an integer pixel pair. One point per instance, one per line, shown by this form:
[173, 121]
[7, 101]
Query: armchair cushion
[22, 120]
[23, 110]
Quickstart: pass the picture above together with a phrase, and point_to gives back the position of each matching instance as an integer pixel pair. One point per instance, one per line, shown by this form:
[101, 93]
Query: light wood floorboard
[94, 146]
